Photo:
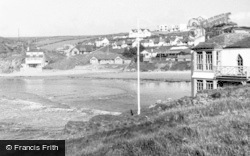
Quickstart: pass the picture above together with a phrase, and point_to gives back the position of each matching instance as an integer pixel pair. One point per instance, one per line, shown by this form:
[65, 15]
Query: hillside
[161, 66]
[213, 123]
[11, 55]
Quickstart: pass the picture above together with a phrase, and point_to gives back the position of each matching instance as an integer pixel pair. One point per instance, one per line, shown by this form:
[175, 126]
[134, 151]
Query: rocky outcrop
[11, 64]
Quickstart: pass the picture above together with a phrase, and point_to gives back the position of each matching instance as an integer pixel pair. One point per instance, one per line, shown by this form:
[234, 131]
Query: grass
[201, 126]
[163, 66]
[170, 76]
[60, 43]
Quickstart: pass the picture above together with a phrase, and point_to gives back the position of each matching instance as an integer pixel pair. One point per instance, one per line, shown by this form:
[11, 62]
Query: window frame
[199, 61]
[199, 84]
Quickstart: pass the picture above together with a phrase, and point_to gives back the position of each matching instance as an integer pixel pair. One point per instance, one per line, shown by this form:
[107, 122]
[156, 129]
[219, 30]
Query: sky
[94, 17]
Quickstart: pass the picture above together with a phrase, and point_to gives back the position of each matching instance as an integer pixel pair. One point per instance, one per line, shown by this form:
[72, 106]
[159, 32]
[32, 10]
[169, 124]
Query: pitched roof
[86, 48]
[244, 43]
[117, 51]
[184, 56]
[105, 55]
[222, 41]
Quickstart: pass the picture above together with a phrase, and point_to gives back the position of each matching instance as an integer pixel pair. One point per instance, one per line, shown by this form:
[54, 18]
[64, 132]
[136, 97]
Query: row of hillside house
[220, 61]
[108, 58]
[68, 50]
[71, 50]
[172, 28]
[102, 42]
[156, 42]
[141, 33]
[152, 42]
[34, 61]
[85, 49]
[119, 44]
[120, 37]
[168, 53]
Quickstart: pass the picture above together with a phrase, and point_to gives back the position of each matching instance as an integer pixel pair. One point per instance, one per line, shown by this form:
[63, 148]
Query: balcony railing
[237, 71]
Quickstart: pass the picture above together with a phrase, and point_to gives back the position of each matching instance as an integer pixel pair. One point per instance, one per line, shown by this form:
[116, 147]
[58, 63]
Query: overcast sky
[91, 17]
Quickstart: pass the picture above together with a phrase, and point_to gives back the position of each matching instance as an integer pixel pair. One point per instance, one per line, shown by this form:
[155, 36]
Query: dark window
[209, 85]
[209, 61]
[240, 61]
[199, 61]
[199, 85]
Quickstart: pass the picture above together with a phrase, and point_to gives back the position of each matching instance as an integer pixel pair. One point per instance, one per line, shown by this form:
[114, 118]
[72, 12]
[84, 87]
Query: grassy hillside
[162, 65]
[213, 123]
[59, 43]
[65, 63]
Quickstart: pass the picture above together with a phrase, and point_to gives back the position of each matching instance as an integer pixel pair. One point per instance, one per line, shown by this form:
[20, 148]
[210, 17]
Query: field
[213, 123]
[52, 45]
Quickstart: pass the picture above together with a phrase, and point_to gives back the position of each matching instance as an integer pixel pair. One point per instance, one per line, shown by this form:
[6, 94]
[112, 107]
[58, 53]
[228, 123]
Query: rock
[73, 127]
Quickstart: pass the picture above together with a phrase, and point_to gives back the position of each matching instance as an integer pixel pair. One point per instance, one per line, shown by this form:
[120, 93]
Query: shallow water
[104, 94]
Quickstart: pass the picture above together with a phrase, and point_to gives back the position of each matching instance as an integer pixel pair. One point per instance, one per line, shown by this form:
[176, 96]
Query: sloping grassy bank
[162, 66]
[213, 123]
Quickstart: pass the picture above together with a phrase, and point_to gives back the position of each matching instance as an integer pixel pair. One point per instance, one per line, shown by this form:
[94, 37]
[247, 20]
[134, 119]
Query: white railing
[240, 71]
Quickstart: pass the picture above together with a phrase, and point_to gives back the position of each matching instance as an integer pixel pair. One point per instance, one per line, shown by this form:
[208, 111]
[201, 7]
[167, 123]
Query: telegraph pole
[138, 71]
[18, 35]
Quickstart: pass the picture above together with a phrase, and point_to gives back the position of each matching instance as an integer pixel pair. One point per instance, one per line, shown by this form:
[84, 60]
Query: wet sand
[27, 116]
[167, 76]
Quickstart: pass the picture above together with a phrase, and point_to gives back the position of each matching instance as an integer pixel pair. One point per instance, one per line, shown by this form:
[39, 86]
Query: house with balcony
[220, 61]
[34, 61]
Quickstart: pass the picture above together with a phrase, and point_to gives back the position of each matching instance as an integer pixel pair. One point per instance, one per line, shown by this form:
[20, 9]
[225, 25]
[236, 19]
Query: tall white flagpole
[138, 71]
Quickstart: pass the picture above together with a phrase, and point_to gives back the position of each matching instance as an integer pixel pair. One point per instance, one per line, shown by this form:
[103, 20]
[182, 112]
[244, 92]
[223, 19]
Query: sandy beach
[167, 76]
[30, 116]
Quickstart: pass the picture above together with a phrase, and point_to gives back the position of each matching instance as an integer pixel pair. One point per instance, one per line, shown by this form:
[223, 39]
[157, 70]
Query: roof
[105, 55]
[244, 43]
[184, 56]
[222, 41]
[156, 40]
[119, 43]
[118, 51]
[86, 48]
[135, 30]
[178, 48]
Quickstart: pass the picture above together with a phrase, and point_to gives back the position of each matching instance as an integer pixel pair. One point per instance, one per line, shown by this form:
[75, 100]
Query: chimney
[28, 48]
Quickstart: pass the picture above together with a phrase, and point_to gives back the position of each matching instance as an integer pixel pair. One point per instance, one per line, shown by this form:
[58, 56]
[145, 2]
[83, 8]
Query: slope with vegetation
[11, 55]
[213, 123]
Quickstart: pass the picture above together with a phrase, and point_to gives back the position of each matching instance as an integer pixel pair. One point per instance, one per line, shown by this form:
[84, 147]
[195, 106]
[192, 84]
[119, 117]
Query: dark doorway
[240, 64]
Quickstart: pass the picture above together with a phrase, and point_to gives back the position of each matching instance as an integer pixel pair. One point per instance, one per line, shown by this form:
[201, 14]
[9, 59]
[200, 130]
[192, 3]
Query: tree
[132, 53]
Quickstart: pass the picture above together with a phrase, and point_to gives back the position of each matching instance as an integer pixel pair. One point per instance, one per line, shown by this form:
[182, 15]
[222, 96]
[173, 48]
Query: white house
[220, 61]
[148, 54]
[34, 60]
[107, 58]
[102, 42]
[142, 33]
[74, 51]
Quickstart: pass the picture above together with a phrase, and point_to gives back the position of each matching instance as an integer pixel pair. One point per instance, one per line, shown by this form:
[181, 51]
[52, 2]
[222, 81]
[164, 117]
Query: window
[199, 61]
[240, 64]
[209, 61]
[217, 58]
[209, 85]
[199, 85]
[240, 61]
